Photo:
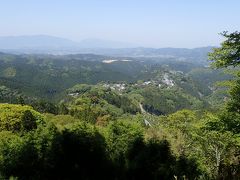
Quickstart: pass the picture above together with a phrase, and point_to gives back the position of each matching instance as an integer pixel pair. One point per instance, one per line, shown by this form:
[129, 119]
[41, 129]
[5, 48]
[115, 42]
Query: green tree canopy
[229, 52]
[17, 118]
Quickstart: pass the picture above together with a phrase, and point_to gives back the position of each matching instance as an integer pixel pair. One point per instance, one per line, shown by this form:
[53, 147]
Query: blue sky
[150, 23]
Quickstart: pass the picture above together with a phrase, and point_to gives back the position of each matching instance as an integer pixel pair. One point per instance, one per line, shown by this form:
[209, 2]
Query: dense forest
[87, 116]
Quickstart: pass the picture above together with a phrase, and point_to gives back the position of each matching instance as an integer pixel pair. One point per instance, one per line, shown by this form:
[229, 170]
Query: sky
[148, 23]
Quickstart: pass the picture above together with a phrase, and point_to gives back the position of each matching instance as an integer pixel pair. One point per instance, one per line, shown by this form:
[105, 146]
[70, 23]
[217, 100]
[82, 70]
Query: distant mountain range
[38, 41]
[43, 44]
[52, 42]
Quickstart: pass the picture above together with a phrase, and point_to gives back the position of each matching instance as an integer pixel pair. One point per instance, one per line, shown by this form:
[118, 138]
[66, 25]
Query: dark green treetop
[229, 52]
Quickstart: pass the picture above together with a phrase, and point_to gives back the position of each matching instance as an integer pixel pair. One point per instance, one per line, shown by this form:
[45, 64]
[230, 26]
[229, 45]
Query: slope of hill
[48, 76]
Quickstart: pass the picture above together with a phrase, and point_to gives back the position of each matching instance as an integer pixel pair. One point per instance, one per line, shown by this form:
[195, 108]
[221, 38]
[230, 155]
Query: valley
[121, 117]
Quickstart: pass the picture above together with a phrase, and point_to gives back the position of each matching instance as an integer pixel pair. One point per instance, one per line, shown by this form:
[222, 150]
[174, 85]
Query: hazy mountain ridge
[36, 41]
[45, 42]
[54, 45]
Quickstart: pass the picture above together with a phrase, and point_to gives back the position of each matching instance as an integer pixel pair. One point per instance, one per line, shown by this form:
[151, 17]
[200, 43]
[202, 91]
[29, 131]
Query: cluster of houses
[165, 80]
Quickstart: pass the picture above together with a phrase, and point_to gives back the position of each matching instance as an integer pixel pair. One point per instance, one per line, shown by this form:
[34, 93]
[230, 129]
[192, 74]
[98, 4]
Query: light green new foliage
[120, 136]
[9, 72]
[10, 149]
[60, 121]
[12, 117]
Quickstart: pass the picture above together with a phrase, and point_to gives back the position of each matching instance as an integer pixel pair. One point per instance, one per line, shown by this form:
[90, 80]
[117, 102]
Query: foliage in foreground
[76, 149]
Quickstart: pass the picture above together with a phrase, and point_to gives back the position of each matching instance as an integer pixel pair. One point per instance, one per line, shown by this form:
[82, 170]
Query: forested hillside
[47, 76]
[89, 116]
